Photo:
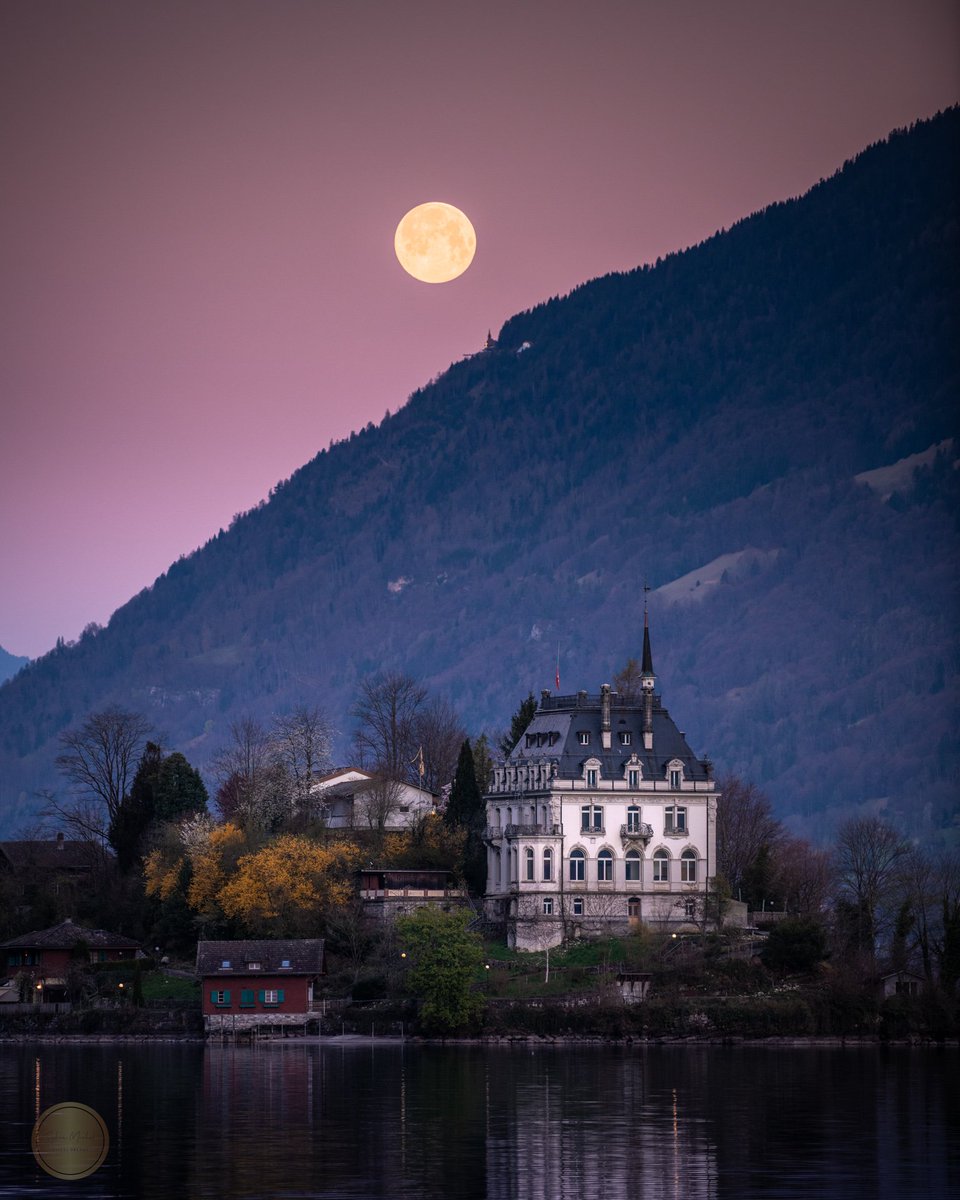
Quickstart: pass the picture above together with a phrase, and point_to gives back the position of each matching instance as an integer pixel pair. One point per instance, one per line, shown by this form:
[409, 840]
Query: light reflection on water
[385, 1120]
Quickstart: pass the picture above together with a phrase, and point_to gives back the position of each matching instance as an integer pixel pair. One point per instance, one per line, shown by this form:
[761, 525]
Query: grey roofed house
[67, 935]
[292, 956]
[52, 855]
[566, 730]
[556, 732]
[599, 820]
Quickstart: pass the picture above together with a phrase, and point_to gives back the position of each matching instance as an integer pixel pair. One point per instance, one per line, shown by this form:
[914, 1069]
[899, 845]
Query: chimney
[605, 715]
[60, 841]
[648, 720]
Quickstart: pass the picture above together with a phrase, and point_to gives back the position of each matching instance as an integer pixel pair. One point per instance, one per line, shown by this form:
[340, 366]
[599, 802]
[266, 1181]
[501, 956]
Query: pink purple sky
[198, 282]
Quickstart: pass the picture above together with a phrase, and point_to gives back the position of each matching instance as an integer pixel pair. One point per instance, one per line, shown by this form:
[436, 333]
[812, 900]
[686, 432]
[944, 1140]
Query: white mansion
[600, 818]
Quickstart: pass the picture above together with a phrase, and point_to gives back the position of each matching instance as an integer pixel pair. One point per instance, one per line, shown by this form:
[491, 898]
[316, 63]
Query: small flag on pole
[558, 666]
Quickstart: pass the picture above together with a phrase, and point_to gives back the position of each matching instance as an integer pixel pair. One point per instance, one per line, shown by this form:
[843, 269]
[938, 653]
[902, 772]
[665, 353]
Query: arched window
[547, 865]
[632, 867]
[688, 866]
[633, 907]
[528, 868]
[497, 867]
[605, 867]
[578, 869]
[514, 865]
[661, 867]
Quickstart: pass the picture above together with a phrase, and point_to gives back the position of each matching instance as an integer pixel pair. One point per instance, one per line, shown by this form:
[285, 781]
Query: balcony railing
[642, 830]
[532, 831]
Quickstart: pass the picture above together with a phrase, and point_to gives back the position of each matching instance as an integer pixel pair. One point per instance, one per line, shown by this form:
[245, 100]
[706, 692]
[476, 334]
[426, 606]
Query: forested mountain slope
[10, 664]
[716, 408]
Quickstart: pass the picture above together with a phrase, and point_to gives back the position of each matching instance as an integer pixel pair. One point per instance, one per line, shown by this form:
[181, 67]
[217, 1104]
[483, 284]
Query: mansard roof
[554, 734]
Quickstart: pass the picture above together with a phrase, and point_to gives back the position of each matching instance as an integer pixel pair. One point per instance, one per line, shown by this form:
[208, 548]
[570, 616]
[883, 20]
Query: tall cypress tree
[518, 724]
[180, 791]
[163, 789]
[135, 813]
[466, 810]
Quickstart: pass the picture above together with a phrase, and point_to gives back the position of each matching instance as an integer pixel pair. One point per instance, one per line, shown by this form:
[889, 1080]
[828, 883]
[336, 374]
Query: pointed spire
[646, 666]
[647, 677]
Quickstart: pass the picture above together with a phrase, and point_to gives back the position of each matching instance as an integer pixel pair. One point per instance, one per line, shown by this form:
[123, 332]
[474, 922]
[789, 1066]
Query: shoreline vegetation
[713, 988]
[814, 1016]
[852, 1042]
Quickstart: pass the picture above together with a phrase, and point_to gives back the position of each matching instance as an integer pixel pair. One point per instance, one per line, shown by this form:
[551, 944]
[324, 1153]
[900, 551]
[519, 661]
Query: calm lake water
[401, 1121]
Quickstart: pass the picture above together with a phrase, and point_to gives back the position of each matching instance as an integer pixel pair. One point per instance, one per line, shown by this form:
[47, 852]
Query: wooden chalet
[42, 959]
[257, 985]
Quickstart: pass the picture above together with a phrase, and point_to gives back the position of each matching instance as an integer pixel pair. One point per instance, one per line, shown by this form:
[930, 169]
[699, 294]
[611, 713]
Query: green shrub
[795, 945]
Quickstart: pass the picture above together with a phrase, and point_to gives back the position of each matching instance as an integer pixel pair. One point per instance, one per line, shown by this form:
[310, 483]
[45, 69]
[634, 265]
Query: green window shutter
[260, 996]
[226, 997]
[246, 996]
[280, 997]
[213, 997]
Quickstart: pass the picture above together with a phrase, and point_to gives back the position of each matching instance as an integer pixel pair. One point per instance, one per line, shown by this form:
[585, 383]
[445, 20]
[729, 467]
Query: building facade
[386, 893]
[263, 984]
[601, 818]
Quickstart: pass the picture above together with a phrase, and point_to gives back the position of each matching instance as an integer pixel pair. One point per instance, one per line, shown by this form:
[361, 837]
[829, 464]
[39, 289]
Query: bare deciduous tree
[378, 802]
[439, 732]
[99, 759]
[301, 741]
[869, 855]
[628, 682]
[254, 787]
[386, 712]
[745, 825]
[246, 754]
[804, 876]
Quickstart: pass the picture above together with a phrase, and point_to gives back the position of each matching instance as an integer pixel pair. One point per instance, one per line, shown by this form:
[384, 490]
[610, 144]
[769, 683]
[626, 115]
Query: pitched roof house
[351, 798]
[601, 817]
[57, 869]
[46, 955]
[249, 984]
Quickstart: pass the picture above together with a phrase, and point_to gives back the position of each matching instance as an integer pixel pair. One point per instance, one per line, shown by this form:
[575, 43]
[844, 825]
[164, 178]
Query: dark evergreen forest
[721, 401]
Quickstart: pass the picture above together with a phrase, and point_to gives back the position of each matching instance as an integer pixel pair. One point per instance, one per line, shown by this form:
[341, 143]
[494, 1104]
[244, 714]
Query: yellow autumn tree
[161, 874]
[429, 842]
[214, 862]
[291, 887]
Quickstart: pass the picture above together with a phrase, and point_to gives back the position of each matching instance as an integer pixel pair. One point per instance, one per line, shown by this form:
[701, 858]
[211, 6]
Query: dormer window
[625, 737]
[591, 777]
[285, 964]
[253, 966]
[583, 737]
[675, 773]
[225, 965]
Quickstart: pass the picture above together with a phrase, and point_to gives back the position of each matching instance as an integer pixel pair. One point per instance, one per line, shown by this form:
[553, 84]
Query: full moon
[435, 242]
